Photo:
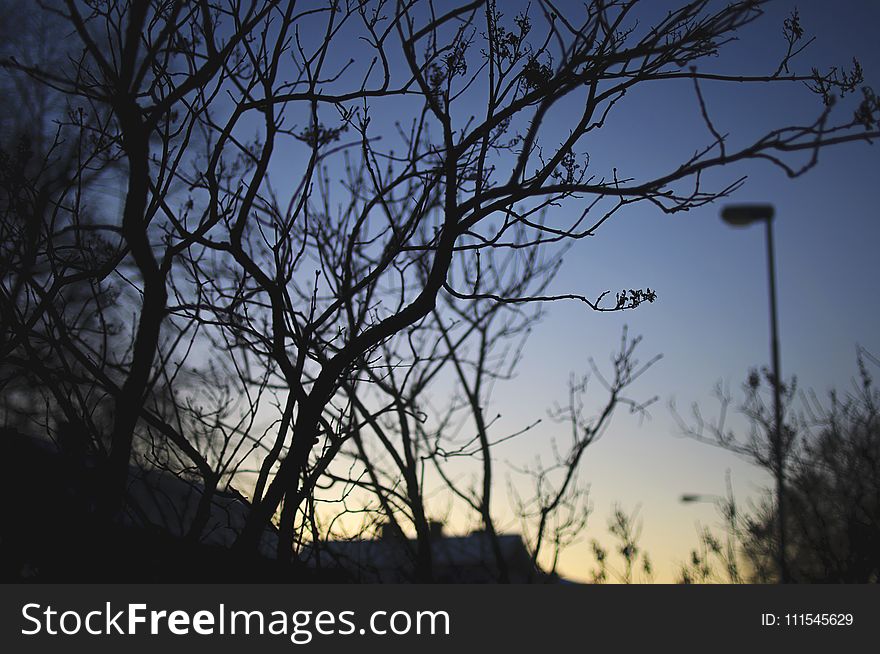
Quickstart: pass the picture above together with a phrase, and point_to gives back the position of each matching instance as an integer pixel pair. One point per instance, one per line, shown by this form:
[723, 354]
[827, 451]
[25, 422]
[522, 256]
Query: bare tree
[634, 563]
[73, 274]
[557, 513]
[831, 486]
[479, 345]
[410, 439]
[718, 559]
[278, 229]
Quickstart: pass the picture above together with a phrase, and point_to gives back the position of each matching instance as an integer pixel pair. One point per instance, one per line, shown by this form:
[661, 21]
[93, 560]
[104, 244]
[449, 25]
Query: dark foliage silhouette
[832, 488]
[217, 242]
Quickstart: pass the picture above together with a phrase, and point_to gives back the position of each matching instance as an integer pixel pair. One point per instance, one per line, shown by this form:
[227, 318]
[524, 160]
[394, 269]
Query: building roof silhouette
[391, 558]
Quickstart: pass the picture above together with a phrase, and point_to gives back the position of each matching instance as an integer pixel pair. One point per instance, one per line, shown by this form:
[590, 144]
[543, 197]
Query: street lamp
[690, 498]
[742, 215]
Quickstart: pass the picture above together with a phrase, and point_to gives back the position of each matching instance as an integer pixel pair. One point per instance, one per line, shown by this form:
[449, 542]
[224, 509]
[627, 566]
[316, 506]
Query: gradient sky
[710, 321]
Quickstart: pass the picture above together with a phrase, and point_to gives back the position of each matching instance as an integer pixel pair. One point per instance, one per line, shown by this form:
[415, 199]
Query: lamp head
[740, 215]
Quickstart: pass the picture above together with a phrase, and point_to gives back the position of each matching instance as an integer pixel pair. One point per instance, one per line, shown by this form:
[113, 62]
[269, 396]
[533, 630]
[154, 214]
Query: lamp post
[742, 215]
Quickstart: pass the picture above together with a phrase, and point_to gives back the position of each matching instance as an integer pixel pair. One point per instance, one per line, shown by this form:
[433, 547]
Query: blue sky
[711, 318]
[710, 321]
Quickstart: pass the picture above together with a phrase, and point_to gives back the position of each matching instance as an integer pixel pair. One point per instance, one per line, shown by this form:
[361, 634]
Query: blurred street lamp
[742, 215]
[690, 498]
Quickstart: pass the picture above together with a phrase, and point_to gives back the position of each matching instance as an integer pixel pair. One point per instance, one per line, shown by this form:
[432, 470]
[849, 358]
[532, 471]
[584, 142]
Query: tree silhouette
[635, 564]
[832, 491]
[275, 229]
